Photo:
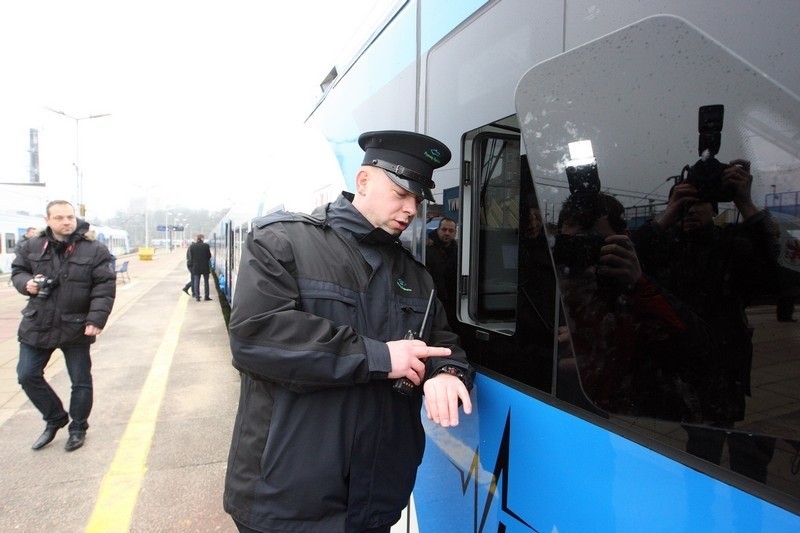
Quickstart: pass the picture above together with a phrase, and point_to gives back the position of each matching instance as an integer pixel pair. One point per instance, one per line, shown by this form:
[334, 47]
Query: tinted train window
[674, 240]
[498, 227]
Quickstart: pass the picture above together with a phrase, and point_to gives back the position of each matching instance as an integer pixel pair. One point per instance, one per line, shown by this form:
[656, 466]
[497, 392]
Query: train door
[508, 305]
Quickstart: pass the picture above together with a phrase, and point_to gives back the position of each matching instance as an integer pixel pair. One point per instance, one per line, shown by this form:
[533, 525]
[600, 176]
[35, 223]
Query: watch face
[453, 371]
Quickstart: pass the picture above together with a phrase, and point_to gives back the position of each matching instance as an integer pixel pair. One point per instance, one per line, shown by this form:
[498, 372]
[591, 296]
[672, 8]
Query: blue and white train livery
[515, 88]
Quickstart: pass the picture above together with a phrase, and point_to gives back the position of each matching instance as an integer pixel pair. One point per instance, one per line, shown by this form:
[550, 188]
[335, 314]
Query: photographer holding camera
[71, 283]
[637, 350]
[717, 271]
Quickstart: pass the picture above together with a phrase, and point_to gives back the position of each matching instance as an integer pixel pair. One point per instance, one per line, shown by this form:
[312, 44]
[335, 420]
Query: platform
[165, 397]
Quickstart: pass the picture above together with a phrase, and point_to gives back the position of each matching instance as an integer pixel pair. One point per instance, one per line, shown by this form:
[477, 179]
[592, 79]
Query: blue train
[517, 89]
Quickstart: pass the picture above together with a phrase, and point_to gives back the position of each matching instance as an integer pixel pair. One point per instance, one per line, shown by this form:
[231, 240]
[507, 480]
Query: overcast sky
[196, 91]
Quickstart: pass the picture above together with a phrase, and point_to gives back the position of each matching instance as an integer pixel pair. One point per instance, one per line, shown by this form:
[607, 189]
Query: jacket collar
[343, 216]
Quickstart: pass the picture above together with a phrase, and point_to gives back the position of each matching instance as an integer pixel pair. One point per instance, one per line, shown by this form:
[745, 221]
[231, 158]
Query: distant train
[13, 226]
[512, 86]
[322, 181]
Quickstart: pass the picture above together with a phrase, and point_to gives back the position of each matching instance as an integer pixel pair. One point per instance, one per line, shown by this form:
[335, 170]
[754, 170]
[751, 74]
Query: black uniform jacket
[83, 294]
[321, 441]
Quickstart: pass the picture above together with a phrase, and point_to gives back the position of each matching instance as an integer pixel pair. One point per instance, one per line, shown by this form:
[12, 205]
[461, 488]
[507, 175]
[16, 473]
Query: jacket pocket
[410, 315]
[29, 324]
[72, 326]
[79, 270]
[331, 302]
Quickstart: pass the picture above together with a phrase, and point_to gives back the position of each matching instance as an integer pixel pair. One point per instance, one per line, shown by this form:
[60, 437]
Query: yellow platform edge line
[119, 490]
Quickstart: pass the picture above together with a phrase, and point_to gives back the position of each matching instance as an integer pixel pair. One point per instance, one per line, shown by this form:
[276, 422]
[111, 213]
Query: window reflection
[703, 161]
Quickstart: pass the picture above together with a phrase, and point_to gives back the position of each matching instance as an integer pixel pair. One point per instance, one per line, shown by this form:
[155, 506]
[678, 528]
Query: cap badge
[434, 155]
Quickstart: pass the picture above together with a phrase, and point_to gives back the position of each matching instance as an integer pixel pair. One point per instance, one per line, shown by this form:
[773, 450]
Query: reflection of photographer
[717, 271]
[708, 174]
[625, 331]
[735, 179]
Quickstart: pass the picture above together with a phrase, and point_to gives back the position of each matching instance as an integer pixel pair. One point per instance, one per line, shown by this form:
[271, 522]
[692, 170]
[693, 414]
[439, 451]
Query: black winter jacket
[84, 294]
[198, 258]
[321, 441]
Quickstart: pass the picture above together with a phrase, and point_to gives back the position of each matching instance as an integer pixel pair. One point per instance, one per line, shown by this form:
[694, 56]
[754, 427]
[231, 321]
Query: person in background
[198, 259]
[324, 440]
[29, 233]
[70, 283]
[190, 284]
[441, 260]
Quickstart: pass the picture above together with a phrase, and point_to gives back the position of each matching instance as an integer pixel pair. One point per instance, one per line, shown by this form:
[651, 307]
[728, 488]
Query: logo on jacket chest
[403, 285]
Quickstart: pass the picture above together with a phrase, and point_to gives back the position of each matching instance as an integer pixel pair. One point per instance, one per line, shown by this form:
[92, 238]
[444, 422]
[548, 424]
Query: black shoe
[75, 441]
[47, 436]
[186, 290]
[208, 299]
[198, 298]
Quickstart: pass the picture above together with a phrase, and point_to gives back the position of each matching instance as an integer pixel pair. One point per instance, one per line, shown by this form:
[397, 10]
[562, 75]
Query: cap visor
[410, 185]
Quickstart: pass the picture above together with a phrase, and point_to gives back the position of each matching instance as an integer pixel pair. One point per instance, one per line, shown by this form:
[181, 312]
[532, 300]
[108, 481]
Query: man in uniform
[323, 440]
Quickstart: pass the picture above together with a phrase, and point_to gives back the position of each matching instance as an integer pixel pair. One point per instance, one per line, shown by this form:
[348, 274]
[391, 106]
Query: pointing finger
[434, 351]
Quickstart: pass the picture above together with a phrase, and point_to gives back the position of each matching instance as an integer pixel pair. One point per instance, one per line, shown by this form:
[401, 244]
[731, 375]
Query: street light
[76, 164]
[167, 232]
[146, 189]
[177, 223]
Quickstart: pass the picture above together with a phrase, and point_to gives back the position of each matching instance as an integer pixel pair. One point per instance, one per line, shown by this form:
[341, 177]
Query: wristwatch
[457, 372]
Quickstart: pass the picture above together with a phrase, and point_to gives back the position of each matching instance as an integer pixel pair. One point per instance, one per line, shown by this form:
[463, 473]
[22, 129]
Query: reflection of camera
[576, 253]
[583, 179]
[45, 286]
[706, 173]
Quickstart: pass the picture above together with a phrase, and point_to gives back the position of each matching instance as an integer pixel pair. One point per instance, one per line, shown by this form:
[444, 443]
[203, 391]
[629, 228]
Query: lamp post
[76, 164]
[146, 189]
[177, 224]
[167, 232]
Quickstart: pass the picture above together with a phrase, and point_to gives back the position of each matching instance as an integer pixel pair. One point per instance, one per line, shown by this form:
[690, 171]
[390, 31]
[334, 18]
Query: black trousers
[196, 284]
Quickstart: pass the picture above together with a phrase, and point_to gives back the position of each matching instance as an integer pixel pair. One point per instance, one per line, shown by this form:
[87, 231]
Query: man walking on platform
[71, 284]
[198, 258]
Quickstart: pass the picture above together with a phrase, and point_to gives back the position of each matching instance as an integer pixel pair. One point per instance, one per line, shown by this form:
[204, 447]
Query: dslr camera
[576, 253]
[583, 179]
[46, 285]
[706, 173]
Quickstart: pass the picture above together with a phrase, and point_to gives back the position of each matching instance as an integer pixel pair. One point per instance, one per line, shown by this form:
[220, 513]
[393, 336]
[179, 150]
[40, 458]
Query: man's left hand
[92, 331]
[442, 393]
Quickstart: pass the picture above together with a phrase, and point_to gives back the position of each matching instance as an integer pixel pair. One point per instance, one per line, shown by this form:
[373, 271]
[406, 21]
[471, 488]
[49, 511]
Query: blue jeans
[196, 284]
[30, 373]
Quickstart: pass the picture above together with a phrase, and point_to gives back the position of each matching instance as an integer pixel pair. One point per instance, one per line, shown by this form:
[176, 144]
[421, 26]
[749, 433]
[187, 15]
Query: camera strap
[59, 258]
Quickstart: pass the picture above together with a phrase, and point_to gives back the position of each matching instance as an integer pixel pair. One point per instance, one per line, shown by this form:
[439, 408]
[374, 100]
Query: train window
[505, 260]
[10, 242]
[672, 330]
[496, 161]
